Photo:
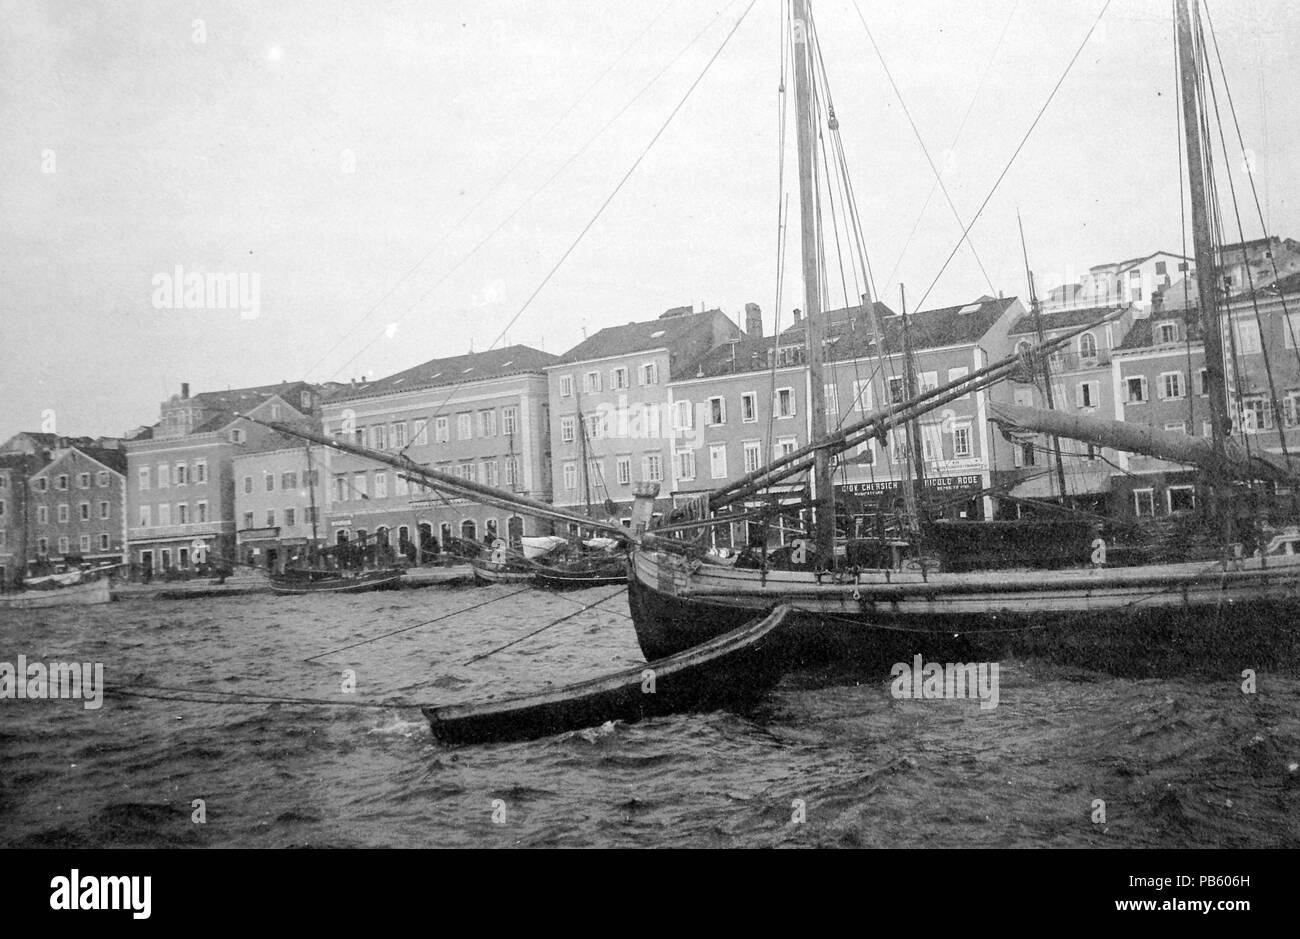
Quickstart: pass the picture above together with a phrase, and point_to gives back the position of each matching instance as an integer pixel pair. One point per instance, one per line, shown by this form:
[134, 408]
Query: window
[512, 471]
[685, 464]
[650, 373]
[248, 484]
[1247, 336]
[595, 472]
[144, 478]
[1291, 408]
[1167, 332]
[182, 513]
[200, 471]
[595, 426]
[397, 434]
[927, 381]
[270, 518]
[400, 486]
[464, 425]
[623, 470]
[182, 474]
[617, 378]
[749, 407]
[1171, 384]
[103, 510]
[1135, 390]
[1257, 414]
[1087, 346]
[289, 516]
[164, 514]
[718, 461]
[1180, 498]
[568, 428]
[83, 511]
[490, 473]
[41, 483]
[1179, 427]
[146, 516]
[785, 402]
[360, 437]
[590, 382]
[359, 484]
[248, 520]
[652, 467]
[236, 435]
[961, 443]
[653, 420]
[510, 421]
[1144, 502]
[753, 455]
[897, 390]
[683, 416]
[421, 436]
[83, 480]
[289, 480]
[201, 512]
[441, 430]
[861, 396]
[1160, 268]
[101, 478]
[786, 446]
[63, 544]
[104, 543]
[61, 483]
[164, 476]
[1203, 381]
[487, 423]
[42, 545]
[1024, 453]
[43, 515]
[570, 476]
[268, 480]
[381, 484]
[379, 433]
[312, 515]
[566, 386]
[717, 410]
[83, 543]
[63, 512]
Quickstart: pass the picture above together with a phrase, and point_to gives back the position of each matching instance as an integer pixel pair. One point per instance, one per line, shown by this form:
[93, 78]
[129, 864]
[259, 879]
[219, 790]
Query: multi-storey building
[611, 398]
[1080, 382]
[481, 416]
[77, 509]
[1138, 281]
[15, 470]
[279, 502]
[180, 482]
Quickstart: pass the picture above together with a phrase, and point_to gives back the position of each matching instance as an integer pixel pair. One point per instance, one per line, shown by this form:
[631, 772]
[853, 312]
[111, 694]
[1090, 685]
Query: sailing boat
[1113, 617]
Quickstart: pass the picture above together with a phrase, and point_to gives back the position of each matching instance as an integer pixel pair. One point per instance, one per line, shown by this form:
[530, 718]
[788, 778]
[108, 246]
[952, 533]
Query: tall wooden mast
[1206, 266]
[805, 121]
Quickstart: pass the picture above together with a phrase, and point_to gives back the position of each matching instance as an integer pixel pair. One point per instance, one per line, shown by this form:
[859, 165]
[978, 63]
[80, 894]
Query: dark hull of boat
[559, 578]
[1140, 643]
[486, 572]
[733, 669]
[378, 580]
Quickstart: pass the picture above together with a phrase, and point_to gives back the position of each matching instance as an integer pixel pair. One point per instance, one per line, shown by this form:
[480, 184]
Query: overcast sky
[351, 156]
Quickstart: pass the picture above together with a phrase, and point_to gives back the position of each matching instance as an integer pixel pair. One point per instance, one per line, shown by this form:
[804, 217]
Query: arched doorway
[444, 533]
[515, 531]
[490, 530]
[468, 530]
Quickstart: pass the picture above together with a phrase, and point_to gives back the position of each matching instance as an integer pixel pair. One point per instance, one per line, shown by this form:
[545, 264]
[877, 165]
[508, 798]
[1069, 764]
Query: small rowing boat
[731, 669]
[86, 593]
[335, 581]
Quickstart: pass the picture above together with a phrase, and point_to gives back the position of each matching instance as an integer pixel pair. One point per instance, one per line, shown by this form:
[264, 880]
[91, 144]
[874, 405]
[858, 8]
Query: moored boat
[86, 593]
[732, 669]
[514, 571]
[335, 581]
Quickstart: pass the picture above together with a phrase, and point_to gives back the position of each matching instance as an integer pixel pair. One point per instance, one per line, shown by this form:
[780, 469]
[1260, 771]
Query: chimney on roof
[798, 315]
[185, 390]
[754, 320]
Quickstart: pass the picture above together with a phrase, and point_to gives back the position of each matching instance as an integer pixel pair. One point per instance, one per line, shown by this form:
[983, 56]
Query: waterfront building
[279, 502]
[482, 416]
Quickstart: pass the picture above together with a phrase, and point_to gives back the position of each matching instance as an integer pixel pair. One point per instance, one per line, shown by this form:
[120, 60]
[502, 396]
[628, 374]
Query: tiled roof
[473, 366]
[848, 336]
[744, 355]
[669, 332]
[111, 457]
[1142, 333]
[1287, 285]
[1061, 319]
[244, 399]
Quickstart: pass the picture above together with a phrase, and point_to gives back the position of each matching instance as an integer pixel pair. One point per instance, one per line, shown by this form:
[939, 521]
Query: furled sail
[1140, 438]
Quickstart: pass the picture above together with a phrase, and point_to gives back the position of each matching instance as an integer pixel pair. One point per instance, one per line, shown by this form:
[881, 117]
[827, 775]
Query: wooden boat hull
[363, 583]
[83, 594]
[1138, 621]
[732, 669]
[605, 572]
[488, 572]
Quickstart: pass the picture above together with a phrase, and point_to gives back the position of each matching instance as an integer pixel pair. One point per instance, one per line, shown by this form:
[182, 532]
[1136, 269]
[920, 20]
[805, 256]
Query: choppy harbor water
[1183, 762]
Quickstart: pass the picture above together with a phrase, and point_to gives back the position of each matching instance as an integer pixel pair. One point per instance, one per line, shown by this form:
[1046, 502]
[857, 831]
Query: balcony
[140, 533]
